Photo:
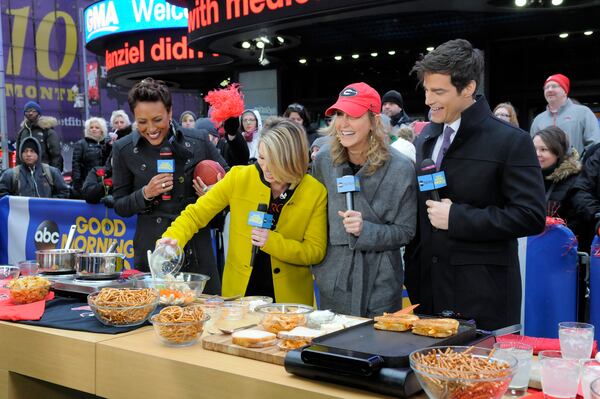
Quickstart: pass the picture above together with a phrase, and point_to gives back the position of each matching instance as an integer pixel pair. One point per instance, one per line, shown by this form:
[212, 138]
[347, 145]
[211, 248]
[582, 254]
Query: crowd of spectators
[502, 181]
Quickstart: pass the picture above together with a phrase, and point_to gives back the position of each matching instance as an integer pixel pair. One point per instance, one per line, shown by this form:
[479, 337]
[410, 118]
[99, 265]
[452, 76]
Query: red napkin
[13, 312]
[539, 344]
[129, 272]
[537, 395]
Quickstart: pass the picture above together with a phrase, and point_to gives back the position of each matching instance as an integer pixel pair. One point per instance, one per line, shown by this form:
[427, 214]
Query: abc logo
[47, 235]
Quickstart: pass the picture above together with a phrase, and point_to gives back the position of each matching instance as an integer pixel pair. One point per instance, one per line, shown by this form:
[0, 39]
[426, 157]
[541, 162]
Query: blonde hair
[285, 147]
[94, 119]
[119, 114]
[377, 152]
[512, 112]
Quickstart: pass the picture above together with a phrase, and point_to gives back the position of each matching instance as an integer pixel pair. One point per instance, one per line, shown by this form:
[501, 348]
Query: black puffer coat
[134, 164]
[559, 183]
[87, 154]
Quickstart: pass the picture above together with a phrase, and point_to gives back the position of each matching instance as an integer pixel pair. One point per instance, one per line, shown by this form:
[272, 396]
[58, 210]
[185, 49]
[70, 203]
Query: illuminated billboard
[109, 17]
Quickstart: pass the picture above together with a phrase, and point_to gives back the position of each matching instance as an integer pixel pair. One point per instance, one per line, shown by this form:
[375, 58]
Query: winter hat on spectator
[393, 96]
[561, 80]
[208, 125]
[34, 105]
[184, 113]
[30, 142]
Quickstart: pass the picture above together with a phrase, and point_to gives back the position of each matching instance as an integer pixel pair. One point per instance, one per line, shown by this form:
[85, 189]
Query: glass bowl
[123, 316]
[179, 334]
[254, 301]
[28, 267]
[447, 372]
[28, 289]
[283, 316]
[166, 259]
[320, 317]
[181, 289]
[8, 273]
[233, 311]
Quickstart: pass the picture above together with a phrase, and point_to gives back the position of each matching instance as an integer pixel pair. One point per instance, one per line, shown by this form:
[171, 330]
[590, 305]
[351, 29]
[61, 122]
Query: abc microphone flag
[261, 219]
[165, 164]
[430, 180]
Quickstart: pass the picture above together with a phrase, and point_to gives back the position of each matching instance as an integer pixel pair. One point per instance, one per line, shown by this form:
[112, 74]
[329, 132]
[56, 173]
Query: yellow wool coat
[300, 239]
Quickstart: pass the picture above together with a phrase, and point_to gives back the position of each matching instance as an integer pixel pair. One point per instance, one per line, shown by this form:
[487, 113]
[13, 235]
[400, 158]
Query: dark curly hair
[456, 58]
[149, 90]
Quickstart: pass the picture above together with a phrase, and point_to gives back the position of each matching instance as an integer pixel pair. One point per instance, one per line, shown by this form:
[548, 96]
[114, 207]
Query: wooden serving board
[222, 343]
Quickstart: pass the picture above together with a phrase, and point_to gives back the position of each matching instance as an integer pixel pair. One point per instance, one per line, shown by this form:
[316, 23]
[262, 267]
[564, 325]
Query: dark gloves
[231, 126]
[108, 201]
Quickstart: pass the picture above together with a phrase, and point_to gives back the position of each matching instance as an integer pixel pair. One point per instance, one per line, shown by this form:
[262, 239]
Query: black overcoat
[495, 183]
[134, 164]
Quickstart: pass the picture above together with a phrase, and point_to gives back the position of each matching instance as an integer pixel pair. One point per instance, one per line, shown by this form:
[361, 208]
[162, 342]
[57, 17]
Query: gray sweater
[363, 276]
[578, 122]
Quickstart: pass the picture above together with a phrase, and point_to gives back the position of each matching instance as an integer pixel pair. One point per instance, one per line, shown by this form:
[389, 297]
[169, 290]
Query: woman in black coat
[89, 152]
[138, 187]
[560, 168]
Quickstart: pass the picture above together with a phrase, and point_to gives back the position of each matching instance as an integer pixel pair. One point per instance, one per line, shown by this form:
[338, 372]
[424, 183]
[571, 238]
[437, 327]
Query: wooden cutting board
[222, 343]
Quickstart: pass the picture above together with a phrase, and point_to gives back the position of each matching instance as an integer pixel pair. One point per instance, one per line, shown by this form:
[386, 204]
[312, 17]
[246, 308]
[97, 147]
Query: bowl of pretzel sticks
[179, 326]
[461, 372]
[123, 307]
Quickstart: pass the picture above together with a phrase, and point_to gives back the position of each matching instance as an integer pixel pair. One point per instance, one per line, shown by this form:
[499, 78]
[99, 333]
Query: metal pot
[99, 265]
[57, 260]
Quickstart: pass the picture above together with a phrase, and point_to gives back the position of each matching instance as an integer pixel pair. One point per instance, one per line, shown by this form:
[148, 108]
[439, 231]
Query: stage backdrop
[27, 224]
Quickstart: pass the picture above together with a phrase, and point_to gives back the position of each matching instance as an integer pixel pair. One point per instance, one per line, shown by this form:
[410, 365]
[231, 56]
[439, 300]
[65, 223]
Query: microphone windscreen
[166, 152]
[427, 166]
[347, 171]
[262, 207]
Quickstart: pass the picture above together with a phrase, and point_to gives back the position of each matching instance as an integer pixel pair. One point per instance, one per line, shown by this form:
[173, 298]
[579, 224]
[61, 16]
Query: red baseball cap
[561, 80]
[355, 100]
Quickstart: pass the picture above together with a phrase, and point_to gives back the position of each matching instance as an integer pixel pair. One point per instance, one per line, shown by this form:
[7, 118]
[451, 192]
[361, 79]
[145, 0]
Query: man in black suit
[464, 257]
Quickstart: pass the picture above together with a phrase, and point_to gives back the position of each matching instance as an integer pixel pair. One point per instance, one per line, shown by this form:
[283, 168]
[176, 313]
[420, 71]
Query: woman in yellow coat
[296, 201]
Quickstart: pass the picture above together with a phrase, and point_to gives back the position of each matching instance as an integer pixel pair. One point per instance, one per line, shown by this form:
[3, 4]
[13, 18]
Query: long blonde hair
[286, 152]
[377, 153]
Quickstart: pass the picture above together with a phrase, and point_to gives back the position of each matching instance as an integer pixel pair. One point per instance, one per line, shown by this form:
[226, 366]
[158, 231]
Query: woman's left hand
[353, 222]
[259, 236]
[202, 188]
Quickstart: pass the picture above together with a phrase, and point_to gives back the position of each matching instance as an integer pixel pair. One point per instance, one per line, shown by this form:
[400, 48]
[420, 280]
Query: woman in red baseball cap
[371, 210]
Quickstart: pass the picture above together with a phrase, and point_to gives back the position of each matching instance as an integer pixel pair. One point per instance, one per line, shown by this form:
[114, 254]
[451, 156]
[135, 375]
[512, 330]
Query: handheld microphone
[165, 164]
[348, 184]
[430, 180]
[259, 218]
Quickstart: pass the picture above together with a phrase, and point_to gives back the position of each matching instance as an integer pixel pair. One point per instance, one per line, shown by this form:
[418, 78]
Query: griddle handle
[342, 361]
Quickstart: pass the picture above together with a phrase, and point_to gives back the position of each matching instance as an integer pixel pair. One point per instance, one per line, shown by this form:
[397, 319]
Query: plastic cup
[595, 389]
[576, 340]
[524, 355]
[560, 376]
[590, 371]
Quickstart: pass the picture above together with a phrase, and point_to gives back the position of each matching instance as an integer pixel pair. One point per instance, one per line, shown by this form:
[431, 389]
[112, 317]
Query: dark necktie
[445, 145]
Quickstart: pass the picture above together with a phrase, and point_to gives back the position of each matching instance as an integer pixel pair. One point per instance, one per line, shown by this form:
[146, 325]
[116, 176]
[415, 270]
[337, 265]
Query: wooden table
[62, 357]
[38, 362]
[195, 372]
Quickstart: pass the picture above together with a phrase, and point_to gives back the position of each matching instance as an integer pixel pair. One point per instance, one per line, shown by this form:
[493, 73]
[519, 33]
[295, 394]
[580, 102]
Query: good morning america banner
[29, 224]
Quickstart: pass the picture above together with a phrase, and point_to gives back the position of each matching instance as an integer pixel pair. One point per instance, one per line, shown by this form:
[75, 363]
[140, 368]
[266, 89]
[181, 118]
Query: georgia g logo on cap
[348, 92]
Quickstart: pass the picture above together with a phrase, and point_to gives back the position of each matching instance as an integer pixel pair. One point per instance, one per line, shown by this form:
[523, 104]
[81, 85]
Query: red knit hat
[355, 100]
[562, 81]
